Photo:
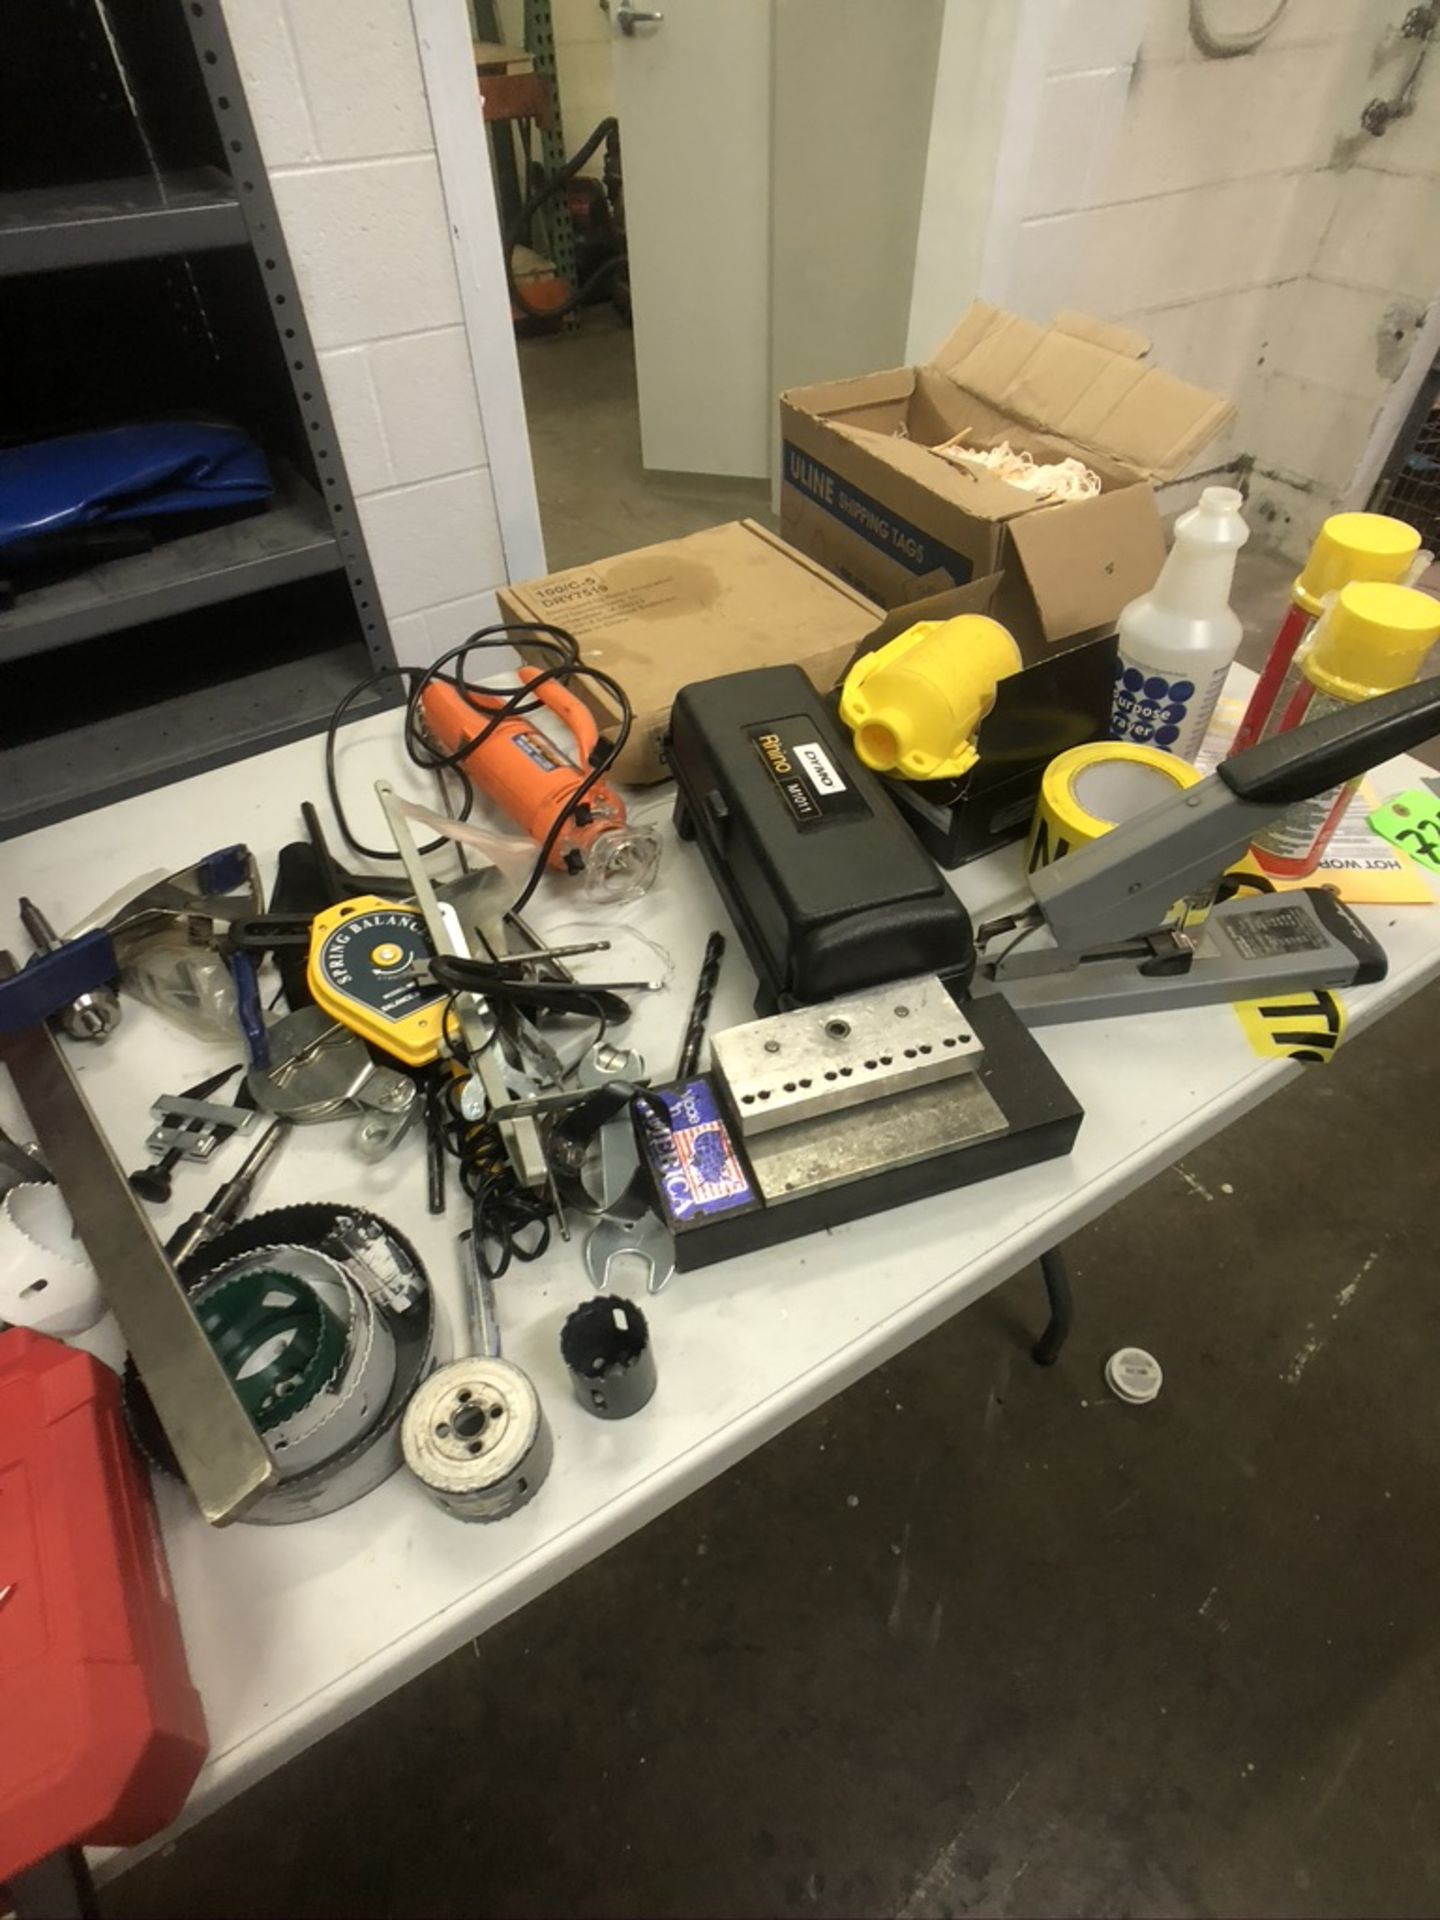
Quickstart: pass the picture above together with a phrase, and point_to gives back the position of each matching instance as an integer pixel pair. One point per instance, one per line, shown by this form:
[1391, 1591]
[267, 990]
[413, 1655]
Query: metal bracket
[194, 1128]
[521, 1137]
[820, 1060]
[618, 1243]
[319, 1070]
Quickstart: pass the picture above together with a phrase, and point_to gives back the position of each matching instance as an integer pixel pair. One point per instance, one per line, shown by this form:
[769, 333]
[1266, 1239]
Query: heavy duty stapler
[1132, 922]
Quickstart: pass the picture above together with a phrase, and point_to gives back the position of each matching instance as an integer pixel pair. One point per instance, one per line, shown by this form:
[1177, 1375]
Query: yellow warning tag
[1306, 1025]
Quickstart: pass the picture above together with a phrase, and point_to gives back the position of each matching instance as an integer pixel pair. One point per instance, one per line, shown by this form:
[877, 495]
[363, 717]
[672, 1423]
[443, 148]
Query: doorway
[764, 153]
[596, 496]
[552, 82]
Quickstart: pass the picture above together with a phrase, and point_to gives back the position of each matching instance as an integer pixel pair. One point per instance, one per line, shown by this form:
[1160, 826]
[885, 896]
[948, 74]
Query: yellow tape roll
[1089, 790]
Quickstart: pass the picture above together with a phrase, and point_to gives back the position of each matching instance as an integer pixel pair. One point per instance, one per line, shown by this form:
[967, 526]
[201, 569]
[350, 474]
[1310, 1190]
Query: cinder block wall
[1343, 333]
[336, 93]
[1232, 210]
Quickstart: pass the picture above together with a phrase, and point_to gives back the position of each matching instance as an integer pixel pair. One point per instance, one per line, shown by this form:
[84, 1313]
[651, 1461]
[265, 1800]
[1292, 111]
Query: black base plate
[1044, 1118]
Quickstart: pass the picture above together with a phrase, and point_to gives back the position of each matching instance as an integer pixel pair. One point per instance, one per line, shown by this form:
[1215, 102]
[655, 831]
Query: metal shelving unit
[290, 539]
[177, 238]
[153, 744]
[559, 228]
[45, 229]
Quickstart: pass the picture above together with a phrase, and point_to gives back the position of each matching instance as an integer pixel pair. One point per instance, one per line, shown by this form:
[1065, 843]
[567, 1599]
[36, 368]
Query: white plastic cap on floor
[1134, 1375]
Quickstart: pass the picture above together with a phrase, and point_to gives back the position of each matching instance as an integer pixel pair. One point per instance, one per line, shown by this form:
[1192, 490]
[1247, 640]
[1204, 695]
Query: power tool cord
[502, 1212]
[511, 702]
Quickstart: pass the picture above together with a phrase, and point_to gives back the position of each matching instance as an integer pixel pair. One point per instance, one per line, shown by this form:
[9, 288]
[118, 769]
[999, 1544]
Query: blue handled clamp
[51, 981]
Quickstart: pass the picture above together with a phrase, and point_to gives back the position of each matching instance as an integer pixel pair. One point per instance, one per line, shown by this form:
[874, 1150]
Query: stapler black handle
[1325, 753]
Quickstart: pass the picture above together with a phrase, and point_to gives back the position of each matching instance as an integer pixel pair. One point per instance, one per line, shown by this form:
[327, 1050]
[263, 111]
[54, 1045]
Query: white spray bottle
[1178, 640]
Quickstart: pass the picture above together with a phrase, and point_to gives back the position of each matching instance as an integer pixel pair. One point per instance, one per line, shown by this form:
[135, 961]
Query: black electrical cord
[502, 1212]
[499, 704]
[332, 783]
[526, 996]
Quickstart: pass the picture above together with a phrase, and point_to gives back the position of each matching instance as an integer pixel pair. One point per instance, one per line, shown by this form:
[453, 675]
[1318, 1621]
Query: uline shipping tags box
[863, 493]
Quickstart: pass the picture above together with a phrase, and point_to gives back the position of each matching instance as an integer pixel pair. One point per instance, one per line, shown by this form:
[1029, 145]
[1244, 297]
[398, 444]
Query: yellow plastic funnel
[914, 704]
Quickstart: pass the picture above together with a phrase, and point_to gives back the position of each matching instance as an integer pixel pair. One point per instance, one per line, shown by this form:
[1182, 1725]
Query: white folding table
[293, 1630]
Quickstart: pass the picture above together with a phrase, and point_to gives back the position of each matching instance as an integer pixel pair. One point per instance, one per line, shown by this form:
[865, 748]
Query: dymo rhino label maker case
[825, 882]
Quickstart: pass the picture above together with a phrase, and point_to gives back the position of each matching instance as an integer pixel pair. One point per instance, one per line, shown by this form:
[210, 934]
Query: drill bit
[700, 1007]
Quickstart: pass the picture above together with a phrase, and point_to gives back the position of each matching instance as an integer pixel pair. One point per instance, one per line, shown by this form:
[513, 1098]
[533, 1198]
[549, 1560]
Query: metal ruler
[218, 1450]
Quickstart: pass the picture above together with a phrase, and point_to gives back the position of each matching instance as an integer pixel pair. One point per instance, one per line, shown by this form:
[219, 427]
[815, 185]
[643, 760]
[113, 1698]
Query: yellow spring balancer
[914, 704]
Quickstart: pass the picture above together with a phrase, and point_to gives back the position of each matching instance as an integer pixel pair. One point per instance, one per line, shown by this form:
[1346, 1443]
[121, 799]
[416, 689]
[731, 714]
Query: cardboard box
[862, 493]
[715, 602]
[1059, 699]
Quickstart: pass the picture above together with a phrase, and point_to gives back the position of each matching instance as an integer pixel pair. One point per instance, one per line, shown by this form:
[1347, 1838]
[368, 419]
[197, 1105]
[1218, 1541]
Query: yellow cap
[1372, 640]
[914, 705]
[1354, 546]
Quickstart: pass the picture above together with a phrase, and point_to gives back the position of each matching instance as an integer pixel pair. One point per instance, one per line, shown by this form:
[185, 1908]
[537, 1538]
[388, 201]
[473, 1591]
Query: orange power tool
[532, 781]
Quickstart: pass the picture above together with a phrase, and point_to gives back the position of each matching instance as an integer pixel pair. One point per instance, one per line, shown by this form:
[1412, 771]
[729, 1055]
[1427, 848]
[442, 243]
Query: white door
[692, 92]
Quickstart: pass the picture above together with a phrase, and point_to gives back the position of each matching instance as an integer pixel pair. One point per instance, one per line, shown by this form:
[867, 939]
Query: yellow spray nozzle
[914, 704]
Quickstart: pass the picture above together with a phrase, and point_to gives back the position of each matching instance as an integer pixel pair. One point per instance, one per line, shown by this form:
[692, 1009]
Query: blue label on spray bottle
[1152, 710]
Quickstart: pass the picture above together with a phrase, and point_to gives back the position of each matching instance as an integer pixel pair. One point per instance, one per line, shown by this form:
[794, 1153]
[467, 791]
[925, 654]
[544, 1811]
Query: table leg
[58, 1887]
[1046, 1350]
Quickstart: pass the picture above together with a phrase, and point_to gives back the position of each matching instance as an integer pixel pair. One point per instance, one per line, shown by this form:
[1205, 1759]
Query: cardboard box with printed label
[862, 492]
[715, 602]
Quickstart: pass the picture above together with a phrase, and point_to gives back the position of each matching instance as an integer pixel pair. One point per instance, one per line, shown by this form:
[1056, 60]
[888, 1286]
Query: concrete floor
[595, 497]
[975, 1638]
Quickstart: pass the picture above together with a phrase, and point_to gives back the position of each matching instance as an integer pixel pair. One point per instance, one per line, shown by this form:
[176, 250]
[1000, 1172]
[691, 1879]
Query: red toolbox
[101, 1732]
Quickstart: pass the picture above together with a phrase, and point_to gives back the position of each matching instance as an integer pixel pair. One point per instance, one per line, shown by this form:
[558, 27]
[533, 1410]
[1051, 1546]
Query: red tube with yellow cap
[1349, 547]
[1372, 639]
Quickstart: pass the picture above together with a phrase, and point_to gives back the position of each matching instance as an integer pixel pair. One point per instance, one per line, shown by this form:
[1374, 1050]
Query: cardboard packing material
[863, 494]
[715, 602]
[1059, 699]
